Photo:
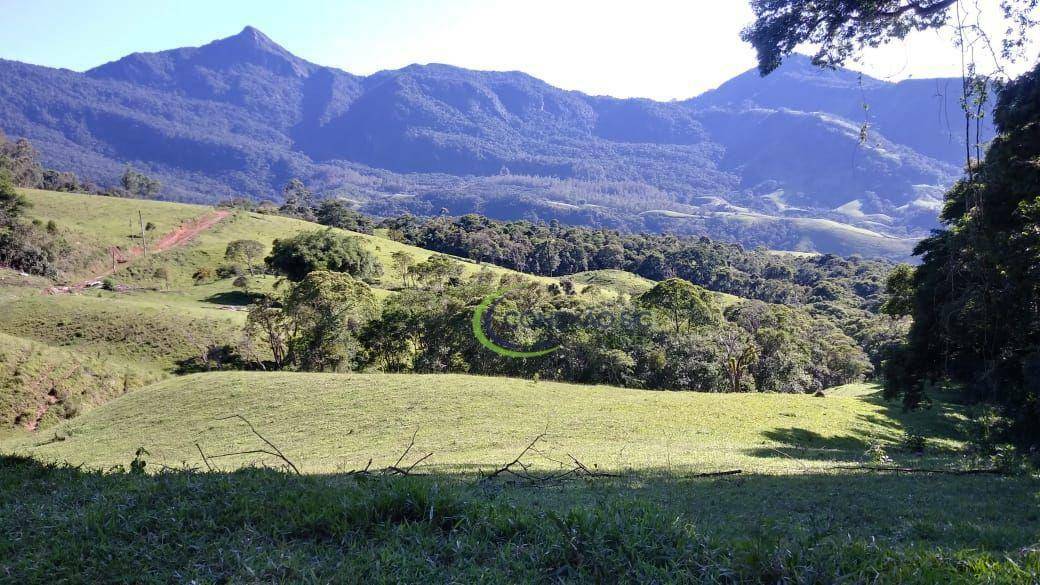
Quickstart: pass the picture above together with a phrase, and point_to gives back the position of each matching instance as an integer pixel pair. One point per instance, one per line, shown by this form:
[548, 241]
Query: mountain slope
[244, 115]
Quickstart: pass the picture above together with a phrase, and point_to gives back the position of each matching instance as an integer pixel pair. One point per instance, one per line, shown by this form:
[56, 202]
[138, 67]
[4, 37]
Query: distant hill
[759, 161]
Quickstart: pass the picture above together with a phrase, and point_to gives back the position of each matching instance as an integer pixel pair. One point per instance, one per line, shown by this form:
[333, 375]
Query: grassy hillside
[332, 422]
[152, 333]
[789, 517]
[42, 385]
[95, 222]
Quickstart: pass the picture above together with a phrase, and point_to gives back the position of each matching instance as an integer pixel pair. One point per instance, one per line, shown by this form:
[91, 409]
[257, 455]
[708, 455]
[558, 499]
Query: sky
[661, 49]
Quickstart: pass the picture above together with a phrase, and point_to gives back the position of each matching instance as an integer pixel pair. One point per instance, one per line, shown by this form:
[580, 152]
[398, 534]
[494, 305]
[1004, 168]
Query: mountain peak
[252, 37]
[252, 46]
[249, 47]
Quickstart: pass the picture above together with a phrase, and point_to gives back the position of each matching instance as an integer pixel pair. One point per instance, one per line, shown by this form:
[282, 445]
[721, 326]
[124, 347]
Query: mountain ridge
[243, 115]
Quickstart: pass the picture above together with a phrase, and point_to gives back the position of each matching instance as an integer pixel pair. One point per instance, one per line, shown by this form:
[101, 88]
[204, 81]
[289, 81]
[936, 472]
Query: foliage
[975, 296]
[24, 246]
[298, 201]
[244, 252]
[683, 303]
[138, 185]
[899, 291]
[338, 213]
[325, 249]
[839, 29]
[314, 326]
[760, 347]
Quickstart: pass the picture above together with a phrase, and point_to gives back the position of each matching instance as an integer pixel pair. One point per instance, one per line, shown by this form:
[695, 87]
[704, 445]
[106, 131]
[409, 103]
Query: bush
[204, 275]
[298, 256]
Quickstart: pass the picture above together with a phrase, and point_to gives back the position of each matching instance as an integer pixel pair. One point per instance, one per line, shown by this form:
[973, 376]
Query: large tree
[325, 249]
[975, 299]
[839, 29]
[682, 303]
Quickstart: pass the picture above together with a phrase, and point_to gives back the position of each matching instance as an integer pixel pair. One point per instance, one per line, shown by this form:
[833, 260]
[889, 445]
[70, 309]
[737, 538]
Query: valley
[263, 320]
[774, 162]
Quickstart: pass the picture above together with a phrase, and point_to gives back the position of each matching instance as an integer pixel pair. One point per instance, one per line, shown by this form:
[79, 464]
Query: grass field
[95, 222]
[153, 334]
[790, 516]
[41, 385]
[336, 422]
[794, 514]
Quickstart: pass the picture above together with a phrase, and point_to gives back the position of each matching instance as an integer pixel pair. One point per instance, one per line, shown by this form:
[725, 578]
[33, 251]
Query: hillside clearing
[336, 422]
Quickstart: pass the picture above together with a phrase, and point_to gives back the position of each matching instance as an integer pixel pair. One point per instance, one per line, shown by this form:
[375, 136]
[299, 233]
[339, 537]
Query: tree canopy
[323, 249]
[840, 28]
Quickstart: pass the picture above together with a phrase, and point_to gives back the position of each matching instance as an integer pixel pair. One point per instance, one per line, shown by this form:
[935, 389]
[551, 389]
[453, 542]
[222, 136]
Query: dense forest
[674, 336]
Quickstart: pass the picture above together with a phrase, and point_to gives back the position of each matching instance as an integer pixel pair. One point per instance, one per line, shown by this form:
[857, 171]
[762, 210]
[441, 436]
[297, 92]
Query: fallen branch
[396, 468]
[508, 467]
[276, 452]
[717, 474]
[987, 471]
[520, 470]
[204, 459]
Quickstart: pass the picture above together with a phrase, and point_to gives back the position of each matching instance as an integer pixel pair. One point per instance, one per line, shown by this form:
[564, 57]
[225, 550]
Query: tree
[327, 310]
[899, 292]
[21, 162]
[436, 272]
[244, 252]
[840, 28]
[12, 204]
[976, 297]
[270, 324]
[403, 261]
[139, 185]
[338, 214]
[298, 200]
[324, 249]
[683, 303]
[738, 352]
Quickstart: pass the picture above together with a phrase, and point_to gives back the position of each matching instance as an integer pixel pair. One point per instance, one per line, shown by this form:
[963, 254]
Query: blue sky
[662, 49]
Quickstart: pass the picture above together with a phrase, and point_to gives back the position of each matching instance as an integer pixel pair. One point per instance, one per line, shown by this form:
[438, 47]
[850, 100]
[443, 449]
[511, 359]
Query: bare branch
[277, 452]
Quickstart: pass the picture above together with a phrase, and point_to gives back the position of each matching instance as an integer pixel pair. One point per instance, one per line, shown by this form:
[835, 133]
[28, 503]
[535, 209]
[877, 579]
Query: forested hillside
[806, 160]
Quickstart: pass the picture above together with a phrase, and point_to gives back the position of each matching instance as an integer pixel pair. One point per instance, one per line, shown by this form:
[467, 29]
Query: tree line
[675, 336]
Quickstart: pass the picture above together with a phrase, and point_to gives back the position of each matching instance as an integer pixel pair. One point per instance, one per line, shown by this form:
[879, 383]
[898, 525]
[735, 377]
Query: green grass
[126, 328]
[789, 517]
[336, 422]
[619, 280]
[855, 390]
[43, 385]
[71, 525]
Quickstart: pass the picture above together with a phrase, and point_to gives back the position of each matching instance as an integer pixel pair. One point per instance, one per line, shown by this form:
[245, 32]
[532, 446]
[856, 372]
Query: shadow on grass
[236, 298]
[60, 523]
[941, 422]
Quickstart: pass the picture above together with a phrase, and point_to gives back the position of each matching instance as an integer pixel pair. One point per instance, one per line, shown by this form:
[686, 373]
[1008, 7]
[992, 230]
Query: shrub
[298, 256]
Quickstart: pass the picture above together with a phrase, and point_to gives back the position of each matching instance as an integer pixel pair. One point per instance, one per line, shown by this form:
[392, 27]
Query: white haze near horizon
[660, 49]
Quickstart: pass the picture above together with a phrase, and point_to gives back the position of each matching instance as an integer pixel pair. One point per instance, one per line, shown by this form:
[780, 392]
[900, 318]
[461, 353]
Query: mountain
[784, 161]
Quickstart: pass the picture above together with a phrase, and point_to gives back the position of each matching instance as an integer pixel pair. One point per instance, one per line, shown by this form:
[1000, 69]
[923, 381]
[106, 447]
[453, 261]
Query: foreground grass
[791, 516]
[68, 525]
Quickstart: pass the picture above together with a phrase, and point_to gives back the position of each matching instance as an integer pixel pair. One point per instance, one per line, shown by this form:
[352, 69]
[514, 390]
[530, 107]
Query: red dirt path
[180, 236]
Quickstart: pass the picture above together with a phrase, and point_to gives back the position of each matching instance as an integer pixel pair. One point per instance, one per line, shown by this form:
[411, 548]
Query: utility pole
[144, 241]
